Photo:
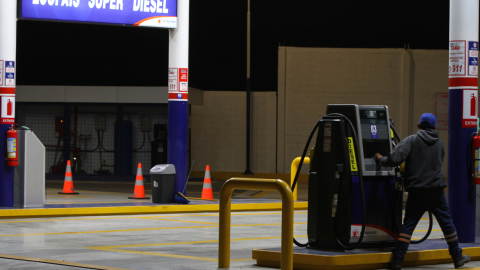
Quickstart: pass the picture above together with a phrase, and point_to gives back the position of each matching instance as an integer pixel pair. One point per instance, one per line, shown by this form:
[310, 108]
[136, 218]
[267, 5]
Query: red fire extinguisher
[12, 157]
[476, 158]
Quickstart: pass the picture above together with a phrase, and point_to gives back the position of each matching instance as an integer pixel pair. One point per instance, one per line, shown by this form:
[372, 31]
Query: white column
[8, 36]
[8, 44]
[178, 95]
[178, 41]
[462, 114]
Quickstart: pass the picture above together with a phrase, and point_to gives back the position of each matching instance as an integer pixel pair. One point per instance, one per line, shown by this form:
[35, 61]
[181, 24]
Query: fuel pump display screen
[375, 136]
[371, 114]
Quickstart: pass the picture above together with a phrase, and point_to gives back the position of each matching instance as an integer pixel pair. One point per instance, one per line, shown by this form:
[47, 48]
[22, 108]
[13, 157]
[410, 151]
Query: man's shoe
[465, 259]
[395, 266]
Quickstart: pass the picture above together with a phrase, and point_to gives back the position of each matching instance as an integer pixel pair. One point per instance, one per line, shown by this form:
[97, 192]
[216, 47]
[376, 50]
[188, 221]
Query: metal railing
[293, 171]
[225, 217]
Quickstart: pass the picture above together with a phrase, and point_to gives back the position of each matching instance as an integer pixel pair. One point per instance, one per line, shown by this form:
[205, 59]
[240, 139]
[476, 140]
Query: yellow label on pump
[351, 153]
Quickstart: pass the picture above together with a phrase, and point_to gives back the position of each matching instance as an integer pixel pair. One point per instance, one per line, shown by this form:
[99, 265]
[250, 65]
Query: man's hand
[377, 158]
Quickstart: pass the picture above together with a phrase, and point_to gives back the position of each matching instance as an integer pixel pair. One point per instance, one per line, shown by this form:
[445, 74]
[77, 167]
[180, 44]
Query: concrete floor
[175, 241]
[156, 241]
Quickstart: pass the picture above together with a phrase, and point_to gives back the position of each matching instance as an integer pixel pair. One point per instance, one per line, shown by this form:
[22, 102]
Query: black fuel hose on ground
[360, 173]
[400, 201]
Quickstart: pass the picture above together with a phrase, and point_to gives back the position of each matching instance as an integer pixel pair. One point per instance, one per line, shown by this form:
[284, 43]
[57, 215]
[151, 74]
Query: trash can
[162, 178]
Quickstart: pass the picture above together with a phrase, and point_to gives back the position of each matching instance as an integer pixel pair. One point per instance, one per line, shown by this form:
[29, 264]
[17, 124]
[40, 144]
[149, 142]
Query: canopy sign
[152, 13]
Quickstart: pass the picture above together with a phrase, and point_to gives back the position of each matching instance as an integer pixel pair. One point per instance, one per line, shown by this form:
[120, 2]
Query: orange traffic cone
[68, 183]
[207, 192]
[139, 191]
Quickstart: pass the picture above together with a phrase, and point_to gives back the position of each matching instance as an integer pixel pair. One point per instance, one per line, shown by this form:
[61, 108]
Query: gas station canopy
[150, 13]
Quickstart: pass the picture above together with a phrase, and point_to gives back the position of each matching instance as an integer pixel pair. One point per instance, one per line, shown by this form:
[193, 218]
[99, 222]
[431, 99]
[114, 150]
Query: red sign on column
[183, 80]
[178, 84]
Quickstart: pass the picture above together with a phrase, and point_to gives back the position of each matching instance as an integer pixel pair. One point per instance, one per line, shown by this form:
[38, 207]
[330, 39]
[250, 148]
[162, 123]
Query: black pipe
[247, 170]
[101, 144]
[67, 111]
[56, 151]
[143, 143]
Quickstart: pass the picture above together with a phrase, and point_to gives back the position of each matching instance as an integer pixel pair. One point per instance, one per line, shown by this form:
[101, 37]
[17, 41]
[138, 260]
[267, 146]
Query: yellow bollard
[293, 171]
[225, 218]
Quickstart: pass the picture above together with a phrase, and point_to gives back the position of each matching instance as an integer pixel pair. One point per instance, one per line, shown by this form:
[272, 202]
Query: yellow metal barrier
[293, 171]
[225, 218]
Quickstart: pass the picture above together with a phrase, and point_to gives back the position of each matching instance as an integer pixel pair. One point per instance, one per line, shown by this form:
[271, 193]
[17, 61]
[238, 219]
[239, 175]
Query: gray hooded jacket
[423, 155]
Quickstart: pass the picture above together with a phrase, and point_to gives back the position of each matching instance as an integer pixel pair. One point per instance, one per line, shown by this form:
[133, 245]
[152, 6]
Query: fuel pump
[351, 199]
[12, 157]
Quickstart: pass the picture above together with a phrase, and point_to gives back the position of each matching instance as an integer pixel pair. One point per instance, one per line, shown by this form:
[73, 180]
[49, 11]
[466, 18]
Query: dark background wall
[56, 53]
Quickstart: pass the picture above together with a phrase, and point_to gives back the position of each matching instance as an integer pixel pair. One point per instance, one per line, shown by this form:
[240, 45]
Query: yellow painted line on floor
[68, 196]
[136, 217]
[111, 231]
[117, 248]
[137, 210]
[186, 243]
[66, 219]
[429, 238]
[176, 220]
[274, 224]
[140, 229]
[92, 202]
[162, 255]
[51, 190]
[200, 192]
[155, 244]
[48, 261]
[434, 230]
[241, 260]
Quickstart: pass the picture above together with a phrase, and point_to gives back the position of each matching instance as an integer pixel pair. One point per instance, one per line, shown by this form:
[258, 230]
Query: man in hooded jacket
[423, 155]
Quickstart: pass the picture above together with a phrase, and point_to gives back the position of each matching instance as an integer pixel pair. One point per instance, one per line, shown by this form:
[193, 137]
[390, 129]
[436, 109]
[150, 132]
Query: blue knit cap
[428, 120]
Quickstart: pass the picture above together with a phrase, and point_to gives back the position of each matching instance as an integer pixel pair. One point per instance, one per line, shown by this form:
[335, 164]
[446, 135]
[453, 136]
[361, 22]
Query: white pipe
[8, 39]
[178, 38]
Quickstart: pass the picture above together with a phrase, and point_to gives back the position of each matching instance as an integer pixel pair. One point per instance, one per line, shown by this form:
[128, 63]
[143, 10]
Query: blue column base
[461, 191]
[6, 172]
[177, 141]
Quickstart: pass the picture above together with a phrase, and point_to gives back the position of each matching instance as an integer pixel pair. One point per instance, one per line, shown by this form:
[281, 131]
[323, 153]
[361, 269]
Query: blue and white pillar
[462, 114]
[178, 94]
[8, 43]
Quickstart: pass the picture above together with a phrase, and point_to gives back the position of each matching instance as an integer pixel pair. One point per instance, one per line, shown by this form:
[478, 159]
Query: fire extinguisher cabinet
[29, 189]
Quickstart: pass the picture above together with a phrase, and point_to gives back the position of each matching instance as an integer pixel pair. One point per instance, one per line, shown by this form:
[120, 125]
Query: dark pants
[417, 203]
